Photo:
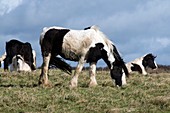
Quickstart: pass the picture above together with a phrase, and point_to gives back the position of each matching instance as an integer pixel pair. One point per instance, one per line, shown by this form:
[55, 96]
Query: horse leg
[74, 80]
[5, 65]
[44, 71]
[7, 61]
[92, 73]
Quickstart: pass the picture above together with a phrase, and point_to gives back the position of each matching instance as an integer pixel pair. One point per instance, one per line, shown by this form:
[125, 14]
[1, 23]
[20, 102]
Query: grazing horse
[84, 46]
[15, 47]
[18, 62]
[140, 64]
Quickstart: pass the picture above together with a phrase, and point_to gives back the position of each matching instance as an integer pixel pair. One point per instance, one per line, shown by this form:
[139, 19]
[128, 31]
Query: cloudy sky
[136, 27]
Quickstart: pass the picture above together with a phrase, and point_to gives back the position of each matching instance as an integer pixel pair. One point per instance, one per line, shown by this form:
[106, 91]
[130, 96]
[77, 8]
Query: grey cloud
[136, 27]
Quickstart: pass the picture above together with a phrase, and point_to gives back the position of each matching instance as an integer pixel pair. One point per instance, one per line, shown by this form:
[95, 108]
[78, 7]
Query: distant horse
[84, 46]
[16, 61]
[16, 47]
[19, 64]
[140, 64]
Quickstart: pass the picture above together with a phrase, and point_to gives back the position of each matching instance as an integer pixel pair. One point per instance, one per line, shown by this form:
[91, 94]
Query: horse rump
[57, 62]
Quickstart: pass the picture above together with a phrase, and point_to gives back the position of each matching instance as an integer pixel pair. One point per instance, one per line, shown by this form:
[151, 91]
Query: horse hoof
[6, 70]
[73, 85]
[92, 84]
[47, 85]
[44, 84]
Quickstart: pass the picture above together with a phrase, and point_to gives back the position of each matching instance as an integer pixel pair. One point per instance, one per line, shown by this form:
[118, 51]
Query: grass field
[20, 93]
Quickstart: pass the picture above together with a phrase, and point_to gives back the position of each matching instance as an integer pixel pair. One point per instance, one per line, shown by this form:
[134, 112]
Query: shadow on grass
[21, 86]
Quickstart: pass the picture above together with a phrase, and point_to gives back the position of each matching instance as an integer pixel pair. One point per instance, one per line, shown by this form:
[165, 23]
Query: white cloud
[163, 42]
[147, 16]
[6, 6]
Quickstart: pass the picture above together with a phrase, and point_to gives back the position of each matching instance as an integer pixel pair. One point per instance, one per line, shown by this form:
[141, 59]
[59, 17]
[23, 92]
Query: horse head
[149, 61]
[116, 65]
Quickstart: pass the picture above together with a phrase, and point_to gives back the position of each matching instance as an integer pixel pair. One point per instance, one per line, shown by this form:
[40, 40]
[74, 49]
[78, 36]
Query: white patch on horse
[155, 65]
[3, 57]
[124, 79]
[76, 43]
[34, 57]
[18, 64]
[92, 73]
[45, 29]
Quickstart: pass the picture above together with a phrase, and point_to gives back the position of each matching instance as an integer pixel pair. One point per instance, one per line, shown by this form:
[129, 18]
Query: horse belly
[70, 56]
[76, 44]
[73, 50]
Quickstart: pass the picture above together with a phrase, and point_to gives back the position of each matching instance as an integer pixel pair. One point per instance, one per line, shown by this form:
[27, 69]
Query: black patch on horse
[18, 57]
[116, 72]
[136, 67]
[95, 53]
[87, 28]
[52, 43]
[148, 61]
[53, 40]
[105, 58]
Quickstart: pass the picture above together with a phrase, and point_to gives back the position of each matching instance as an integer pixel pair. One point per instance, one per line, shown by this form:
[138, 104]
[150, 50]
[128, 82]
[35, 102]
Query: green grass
[20, 93]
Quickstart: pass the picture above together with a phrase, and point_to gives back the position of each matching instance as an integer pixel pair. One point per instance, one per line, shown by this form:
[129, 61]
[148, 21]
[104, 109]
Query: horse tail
[120, 60]
[60, 64]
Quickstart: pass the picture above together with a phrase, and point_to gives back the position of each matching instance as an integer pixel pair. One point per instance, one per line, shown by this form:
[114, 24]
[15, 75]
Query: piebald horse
[140, 64]
[83, 46]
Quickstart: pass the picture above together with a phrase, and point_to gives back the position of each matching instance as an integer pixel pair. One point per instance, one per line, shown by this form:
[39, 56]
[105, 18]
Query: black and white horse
[15, 47]
[84, 46]
[18, 55]
[19, 64]
[140, 64]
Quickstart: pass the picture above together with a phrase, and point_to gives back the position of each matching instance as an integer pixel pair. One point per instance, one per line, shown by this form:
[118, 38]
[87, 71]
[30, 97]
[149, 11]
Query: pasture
[20, 93]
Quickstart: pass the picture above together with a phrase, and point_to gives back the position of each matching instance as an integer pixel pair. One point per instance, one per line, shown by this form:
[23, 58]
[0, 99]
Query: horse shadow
[20, 85]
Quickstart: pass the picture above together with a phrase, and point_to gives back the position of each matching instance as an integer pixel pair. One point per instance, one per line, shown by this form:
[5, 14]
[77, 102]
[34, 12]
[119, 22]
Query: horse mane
[108, 42]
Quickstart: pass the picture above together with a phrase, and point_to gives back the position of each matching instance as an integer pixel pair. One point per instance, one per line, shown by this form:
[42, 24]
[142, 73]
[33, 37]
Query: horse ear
[133, 64]
[154, 56]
